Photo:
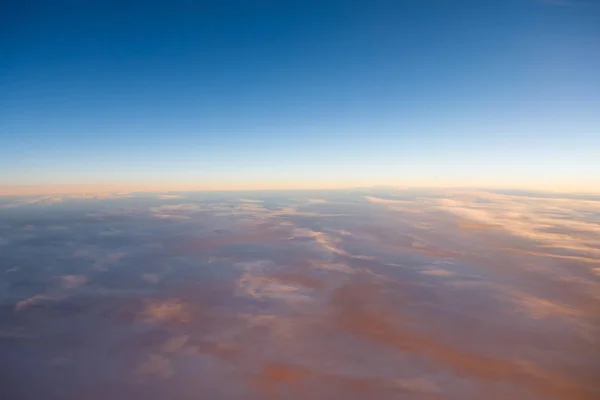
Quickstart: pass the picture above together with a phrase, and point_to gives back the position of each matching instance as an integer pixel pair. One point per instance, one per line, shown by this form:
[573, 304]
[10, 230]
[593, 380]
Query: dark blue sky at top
[93, 77]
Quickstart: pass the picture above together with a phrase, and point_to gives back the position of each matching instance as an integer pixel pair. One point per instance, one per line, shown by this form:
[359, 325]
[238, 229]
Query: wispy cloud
[72, 281]
[173, 310]
[35, 300]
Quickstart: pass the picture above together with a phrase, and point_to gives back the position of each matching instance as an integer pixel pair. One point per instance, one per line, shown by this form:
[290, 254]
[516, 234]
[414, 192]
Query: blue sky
[266, 94]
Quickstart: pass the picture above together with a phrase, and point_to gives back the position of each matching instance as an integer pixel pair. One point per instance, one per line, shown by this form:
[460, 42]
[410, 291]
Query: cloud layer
[361, 294]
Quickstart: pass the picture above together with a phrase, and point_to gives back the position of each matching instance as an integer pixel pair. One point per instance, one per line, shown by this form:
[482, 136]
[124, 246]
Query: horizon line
[93, 189]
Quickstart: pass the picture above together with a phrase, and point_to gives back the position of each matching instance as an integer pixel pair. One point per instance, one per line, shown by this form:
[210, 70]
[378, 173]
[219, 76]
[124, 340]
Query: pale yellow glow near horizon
[592, 186]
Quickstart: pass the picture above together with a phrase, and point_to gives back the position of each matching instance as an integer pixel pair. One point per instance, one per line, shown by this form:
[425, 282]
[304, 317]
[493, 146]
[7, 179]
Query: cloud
[299, 279]
[184, 207]
[155, 366]
[540, 308]
[278, 377]
[25, 198]
[317, 201]
[35, 300]
[262, 287]
[102, 260]
[352, 313]
[274, 375]
[222, 351]
[250, 201]
[72, 281]
[175, 343]
[178, 211]
[553, 223]
[43, 200]
[151, 278]
[397, 299]
[419, 385]
[67, 282]
[334, 267]
[170, 216]
[255, 266]
[172, 310]
[553, 226]
[328, 243]
[438, 272]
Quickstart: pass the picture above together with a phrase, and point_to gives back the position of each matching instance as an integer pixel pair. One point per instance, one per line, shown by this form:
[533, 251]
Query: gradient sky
[266, 94]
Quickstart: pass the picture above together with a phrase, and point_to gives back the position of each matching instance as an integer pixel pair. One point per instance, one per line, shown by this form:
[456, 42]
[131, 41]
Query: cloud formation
[378, 295]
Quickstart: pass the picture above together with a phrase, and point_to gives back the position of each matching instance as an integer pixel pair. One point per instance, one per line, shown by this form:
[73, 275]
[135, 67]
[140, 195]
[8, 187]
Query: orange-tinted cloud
[351, 314]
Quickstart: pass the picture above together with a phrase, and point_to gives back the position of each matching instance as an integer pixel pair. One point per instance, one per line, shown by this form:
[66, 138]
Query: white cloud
[261, 287]
[437, 272]
[72, 281]
[33, 300]
[172, 310]
[170, 216]
[317, 201]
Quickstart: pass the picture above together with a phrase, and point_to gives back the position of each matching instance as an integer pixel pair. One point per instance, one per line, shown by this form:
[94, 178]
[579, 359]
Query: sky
[260, 94]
